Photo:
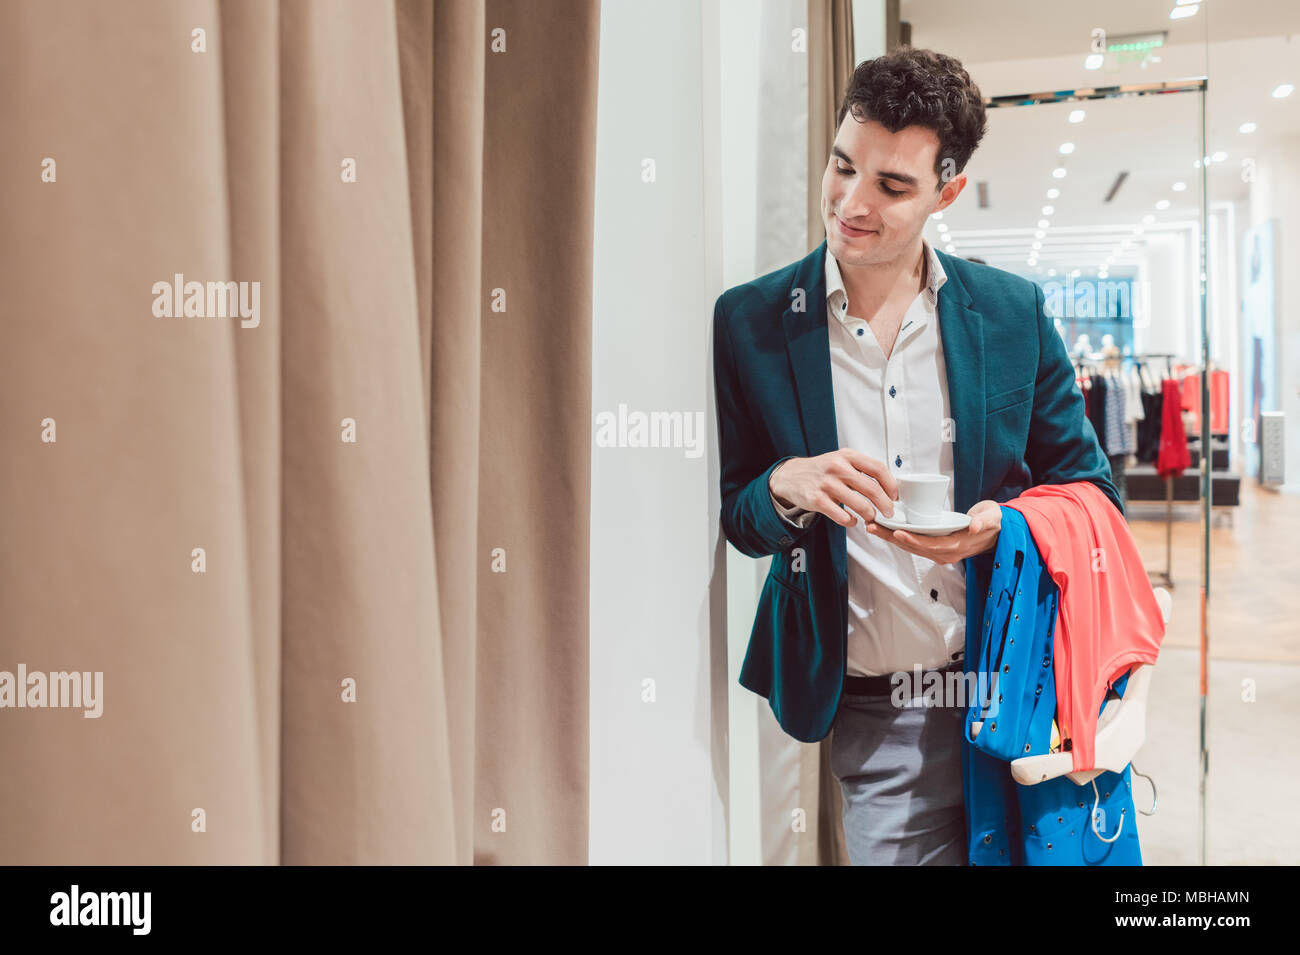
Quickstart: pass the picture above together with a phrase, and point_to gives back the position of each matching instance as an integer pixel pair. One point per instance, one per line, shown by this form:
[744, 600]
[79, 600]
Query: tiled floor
[1253, 710]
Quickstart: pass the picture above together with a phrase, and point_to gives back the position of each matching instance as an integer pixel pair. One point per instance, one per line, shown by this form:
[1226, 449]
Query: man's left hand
[980, 536]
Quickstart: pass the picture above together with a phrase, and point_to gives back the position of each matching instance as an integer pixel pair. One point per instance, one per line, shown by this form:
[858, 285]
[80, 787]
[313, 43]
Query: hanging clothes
[1149, 427]
[1011, 661]
[1113, 392]
[1173, 456]
[1108, 618]
[1133, 407]
[1219, 397]
[1095, 409]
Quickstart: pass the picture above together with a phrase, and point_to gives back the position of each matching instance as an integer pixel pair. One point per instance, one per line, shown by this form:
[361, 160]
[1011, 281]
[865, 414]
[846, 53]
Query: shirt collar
[837, 296]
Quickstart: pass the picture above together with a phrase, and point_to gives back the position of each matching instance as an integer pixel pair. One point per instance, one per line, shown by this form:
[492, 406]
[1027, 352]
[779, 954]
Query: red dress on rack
[1173, 456]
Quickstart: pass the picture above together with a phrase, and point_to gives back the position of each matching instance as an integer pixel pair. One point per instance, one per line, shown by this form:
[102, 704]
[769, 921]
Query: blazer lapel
[807, 340]
[961, 329]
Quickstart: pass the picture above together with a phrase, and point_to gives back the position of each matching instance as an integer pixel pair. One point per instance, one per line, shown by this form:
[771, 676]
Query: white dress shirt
[903, 609]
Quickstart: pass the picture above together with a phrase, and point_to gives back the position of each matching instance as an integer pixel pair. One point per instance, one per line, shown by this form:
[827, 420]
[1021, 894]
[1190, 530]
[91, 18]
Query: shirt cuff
[793, 516]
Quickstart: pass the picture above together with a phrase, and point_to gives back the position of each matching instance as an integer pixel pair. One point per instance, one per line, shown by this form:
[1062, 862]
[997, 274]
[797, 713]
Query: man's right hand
[832, 482]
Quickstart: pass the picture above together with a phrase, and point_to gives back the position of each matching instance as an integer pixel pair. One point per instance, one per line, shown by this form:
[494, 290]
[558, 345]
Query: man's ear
[950, 191]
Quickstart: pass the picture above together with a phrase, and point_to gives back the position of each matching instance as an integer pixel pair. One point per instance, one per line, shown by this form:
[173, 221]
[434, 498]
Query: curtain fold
[830, 67]
[273, 532]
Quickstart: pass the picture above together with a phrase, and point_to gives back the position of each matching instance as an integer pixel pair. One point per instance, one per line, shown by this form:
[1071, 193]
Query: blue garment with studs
[1009, 653]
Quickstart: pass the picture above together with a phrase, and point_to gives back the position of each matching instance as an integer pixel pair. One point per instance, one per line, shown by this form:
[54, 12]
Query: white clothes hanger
[1121, 729]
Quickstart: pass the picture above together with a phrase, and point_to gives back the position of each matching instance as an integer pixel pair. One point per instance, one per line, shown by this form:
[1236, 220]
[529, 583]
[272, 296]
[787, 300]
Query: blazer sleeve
[1062, 446]
[750, 520]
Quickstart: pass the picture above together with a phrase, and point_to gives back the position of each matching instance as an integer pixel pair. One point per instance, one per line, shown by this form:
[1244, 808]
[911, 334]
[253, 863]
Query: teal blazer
[1018, 421]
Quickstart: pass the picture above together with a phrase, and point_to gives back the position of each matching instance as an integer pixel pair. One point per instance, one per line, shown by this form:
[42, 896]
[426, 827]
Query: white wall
[658, 769]
[1276, 193]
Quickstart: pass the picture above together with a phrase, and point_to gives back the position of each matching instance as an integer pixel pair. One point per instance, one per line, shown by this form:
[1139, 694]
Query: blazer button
[988, 839]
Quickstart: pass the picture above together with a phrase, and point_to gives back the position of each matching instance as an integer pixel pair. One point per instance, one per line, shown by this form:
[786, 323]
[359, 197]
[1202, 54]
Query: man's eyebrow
[883, 174]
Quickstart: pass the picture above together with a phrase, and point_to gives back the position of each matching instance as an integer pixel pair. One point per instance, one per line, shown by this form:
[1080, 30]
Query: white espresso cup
[923, 496]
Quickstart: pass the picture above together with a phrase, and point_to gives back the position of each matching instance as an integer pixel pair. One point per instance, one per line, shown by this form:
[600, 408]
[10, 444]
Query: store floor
[1254, 689]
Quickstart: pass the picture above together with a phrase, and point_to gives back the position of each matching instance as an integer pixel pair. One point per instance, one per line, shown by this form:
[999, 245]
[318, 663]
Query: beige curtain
[333, 565]
[830, 67]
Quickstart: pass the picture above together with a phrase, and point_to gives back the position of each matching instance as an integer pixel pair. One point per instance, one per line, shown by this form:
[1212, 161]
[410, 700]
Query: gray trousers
[899, 770]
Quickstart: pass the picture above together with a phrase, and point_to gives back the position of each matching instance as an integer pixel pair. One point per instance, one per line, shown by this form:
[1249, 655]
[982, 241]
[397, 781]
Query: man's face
[881, 186]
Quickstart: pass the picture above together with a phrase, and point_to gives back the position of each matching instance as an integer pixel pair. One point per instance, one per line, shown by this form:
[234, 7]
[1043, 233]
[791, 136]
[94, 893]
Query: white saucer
[949, 523]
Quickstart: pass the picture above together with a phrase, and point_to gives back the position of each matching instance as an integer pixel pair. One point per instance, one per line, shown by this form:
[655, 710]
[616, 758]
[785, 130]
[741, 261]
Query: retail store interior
[1105, 200]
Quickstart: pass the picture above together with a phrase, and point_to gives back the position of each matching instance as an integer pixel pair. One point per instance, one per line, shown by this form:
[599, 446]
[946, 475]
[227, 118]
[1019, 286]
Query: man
[875, 356]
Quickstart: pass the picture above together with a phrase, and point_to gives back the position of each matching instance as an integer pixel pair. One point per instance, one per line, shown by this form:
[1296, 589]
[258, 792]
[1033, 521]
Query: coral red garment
[1219, 393]
[1107, 617]
[1173, 456]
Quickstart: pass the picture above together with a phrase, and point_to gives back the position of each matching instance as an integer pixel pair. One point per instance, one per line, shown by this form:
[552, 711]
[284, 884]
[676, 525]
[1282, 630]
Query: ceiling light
[1179, 186]
[1076, 116]
[1148, 219]
[1048, 210]
[1162, 204]
[1246, 128]
[1182, 12]
[1053, 193]
[1284, 90]
[1094, 61]
[1067, 148]
[1220, 156]
[1043, 223]
[936, 215]
[943, 227]
[1037, 245]
[1059, 172]
[1039, 233]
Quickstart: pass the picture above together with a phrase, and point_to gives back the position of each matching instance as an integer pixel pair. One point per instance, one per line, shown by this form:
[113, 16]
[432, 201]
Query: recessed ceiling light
[1048, 210]
[1043, 223]
[936, 215]
[1179, 186]
[1148, 219]
[1246, 128]
[1059, 172]
[1284, 90]
[1053, 193]
[1037, 245]
[1162, 204]
[1183, 12]
[943, 227]
[1220, 156]
[1094, 61]
[1076, 116]
[1039, 233]
[1067, 148]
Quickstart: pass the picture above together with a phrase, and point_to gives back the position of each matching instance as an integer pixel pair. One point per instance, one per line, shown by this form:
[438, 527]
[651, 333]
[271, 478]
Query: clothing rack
[1165, 577]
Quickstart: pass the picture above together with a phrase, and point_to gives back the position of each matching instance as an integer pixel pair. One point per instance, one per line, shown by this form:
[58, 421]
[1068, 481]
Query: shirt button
[934, 595]
[892, 392]
[898, 461]
[860, 331]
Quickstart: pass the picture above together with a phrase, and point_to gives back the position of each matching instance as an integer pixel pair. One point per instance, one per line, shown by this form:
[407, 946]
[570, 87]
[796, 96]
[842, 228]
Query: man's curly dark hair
[911, 87]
